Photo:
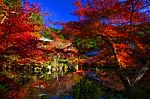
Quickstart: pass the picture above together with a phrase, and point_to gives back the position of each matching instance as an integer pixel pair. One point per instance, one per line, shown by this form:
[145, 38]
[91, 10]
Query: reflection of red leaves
[39, 83]
[111, 80]
[21, 94]
[13, 94]
[24, 91]
[9, 82]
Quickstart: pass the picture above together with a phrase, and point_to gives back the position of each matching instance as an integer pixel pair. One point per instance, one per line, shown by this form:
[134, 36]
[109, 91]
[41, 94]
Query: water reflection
[89, 86]
[90, 89]
[25, 73]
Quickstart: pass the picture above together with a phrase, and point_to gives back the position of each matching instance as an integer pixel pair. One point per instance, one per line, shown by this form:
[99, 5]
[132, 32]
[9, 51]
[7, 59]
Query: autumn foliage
[121, 32]
[119, 29]
[118, 23]
[19, 37]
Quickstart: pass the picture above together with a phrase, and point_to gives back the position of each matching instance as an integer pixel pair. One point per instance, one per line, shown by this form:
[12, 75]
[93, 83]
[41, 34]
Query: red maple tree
[19, 37]
[121, 26]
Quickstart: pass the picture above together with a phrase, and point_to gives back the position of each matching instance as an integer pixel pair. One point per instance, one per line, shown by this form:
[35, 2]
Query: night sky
[59, 10]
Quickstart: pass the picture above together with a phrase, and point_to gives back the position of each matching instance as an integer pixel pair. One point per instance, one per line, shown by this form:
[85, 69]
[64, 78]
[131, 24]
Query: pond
[64, 83]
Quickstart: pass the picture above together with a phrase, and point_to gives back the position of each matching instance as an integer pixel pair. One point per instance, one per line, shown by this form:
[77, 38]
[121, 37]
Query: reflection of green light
[40, 95]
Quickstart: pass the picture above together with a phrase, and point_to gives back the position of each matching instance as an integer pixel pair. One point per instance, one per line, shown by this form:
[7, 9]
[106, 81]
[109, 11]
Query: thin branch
[141, 73]
[3, 19]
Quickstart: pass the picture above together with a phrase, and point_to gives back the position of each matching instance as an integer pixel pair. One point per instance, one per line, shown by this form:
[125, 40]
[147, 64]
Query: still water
[54, 83]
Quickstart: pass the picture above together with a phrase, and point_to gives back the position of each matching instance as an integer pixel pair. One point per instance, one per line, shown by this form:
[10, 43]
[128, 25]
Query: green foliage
[46, 34]
[91, 43]
[77, 41]
[140, 33]
[87, 89]
[13, 3]
[3, 91]
[46, 64]
[85, 44]
[1, 11]
[7, 2]
[37, 19]
[55, 30]
[62, 36]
